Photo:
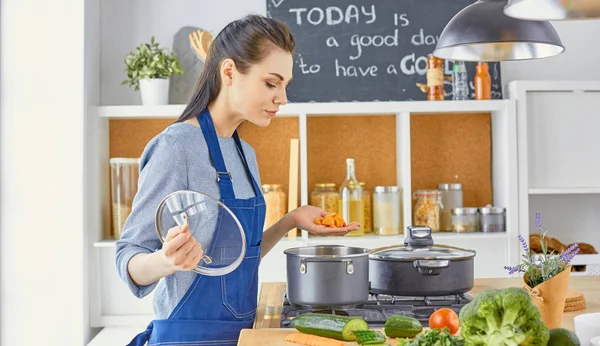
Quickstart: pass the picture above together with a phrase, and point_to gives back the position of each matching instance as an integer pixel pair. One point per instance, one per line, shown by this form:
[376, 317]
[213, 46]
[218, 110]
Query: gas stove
[380, 306]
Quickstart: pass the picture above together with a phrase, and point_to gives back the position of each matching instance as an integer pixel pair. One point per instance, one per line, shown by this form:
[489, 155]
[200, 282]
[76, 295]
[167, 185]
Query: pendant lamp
[482, 32]
[553, 9]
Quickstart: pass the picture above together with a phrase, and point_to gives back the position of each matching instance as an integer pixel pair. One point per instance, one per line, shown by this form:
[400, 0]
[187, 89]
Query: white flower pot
[154, 91]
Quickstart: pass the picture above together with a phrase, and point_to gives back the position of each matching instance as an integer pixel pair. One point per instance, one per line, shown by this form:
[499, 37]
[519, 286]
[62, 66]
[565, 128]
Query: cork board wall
[444, 148]
[128, 138]
[370, 140]
[448, 148]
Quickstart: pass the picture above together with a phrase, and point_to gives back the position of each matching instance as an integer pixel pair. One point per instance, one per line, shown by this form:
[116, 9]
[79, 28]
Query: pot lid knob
[418, 236]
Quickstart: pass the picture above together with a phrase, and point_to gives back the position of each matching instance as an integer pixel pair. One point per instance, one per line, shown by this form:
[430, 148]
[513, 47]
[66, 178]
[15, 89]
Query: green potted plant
[148, 69]
[546, 276]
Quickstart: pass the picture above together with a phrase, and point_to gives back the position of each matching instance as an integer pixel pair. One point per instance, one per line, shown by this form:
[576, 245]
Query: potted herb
[148, 70]
[546, 276]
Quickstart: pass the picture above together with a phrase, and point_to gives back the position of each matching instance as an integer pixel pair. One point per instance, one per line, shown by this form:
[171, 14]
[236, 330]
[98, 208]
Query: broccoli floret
[505, 317]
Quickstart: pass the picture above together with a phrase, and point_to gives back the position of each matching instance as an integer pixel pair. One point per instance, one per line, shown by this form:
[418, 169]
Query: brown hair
[246, 41]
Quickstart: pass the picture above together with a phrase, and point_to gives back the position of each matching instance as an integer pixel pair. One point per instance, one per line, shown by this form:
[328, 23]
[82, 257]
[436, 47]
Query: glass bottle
[460, 84]
[435, 78]
[367, 206]
[483, 82]
[351, 206]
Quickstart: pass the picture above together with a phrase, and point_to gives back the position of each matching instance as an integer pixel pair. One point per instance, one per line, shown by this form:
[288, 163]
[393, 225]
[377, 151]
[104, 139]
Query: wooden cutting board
[276, 337]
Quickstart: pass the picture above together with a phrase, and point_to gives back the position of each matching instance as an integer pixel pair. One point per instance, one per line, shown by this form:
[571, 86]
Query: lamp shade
[482, 32]
[553, 9]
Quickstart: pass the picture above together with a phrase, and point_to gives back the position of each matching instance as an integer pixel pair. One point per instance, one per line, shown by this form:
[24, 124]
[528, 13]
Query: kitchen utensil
[293, 180]
[327, 275]
[211, 223]
[200, 42]
[587, 326]
[418, 268]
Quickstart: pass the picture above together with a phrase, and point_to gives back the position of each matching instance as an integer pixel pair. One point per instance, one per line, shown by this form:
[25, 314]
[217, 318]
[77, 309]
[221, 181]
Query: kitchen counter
[267, 331]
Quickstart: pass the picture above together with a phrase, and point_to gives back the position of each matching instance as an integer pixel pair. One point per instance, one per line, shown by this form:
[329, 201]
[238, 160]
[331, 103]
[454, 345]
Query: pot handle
[431, 267]
[349, 265]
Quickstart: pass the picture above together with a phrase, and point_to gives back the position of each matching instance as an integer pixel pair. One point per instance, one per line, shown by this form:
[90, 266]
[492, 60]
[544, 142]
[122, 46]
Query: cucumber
[329, 326]
[402, 327]
[369, 337]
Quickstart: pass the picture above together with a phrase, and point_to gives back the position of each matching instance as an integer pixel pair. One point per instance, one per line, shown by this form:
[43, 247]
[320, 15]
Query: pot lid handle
[418, 236]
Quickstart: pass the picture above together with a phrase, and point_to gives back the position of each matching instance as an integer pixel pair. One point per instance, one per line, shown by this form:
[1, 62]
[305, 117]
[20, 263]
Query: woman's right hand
[180, 250]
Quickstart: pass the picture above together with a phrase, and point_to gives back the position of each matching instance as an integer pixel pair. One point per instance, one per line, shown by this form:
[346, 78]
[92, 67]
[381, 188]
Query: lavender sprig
[513, 269]
[568, 255]
[544, 266]
[524, 244]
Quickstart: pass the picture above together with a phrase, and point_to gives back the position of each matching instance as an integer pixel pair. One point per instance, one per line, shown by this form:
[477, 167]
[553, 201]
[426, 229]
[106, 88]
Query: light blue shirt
[176, 159]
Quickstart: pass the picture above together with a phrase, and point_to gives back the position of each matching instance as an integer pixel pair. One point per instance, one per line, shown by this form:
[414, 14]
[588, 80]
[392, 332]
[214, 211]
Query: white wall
[41, 134]
[133, 22]
[578, 61]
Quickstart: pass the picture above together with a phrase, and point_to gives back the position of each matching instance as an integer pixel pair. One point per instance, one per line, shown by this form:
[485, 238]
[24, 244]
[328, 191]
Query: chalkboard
[367, 50]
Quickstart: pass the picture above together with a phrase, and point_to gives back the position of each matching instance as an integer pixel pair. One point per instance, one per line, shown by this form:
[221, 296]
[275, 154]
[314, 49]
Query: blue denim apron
[215, 309]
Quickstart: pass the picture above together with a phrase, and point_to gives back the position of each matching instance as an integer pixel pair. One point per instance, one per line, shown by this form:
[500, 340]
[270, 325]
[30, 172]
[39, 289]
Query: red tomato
[444, 318]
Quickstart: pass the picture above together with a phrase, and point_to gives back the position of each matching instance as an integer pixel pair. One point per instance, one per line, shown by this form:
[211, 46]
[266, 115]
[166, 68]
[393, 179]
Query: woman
[244, 79]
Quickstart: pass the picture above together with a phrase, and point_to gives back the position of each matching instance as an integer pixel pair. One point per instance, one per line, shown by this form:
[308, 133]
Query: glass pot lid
[418, 245]
[406, 253]
[211, 223]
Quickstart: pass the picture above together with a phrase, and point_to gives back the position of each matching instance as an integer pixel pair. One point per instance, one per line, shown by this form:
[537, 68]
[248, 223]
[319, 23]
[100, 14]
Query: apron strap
[238, 143]
[142, 338]
[223, 176]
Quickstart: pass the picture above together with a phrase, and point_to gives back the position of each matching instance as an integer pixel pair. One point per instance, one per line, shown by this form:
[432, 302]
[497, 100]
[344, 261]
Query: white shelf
[564, 191]
[316, 109]
[586, 259]
[105, 243]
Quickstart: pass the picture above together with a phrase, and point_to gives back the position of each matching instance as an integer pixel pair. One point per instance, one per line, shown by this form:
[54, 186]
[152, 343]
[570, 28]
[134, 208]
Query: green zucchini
[369, 337]
[402, 327]
[329, 326]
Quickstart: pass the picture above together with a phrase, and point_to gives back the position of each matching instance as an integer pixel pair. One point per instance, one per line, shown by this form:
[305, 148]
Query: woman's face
[256, 95]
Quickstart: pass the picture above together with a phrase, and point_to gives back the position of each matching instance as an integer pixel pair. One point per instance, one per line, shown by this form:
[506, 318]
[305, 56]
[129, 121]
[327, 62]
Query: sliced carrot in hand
[331, 220]
[312, 340]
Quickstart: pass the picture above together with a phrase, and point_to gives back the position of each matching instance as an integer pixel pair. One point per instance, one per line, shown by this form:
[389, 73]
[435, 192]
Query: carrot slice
[312, 340]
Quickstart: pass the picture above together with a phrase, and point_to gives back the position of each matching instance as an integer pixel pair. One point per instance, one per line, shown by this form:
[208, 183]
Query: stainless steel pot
[419, 268]
[327, 275]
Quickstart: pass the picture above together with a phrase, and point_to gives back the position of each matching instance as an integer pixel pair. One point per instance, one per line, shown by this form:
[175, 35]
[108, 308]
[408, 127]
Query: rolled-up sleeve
[162, 171]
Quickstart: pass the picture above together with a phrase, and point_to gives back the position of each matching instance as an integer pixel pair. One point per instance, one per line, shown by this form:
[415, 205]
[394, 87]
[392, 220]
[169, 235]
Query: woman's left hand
[305, 216]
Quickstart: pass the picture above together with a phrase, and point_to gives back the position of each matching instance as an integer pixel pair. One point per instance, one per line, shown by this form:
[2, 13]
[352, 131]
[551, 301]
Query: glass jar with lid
[452, 197]
[427, 209]
[276, 202]
[367, 208]
[465, 220]
[387, 210]
[492, 219]
[325, 196]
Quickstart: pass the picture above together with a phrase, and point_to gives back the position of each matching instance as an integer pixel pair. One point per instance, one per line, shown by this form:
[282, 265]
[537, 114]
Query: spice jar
[367, 207]
[275, 200]
[435, 78]
[483, 82]
[452, 197]
[427, 209]
[491, 219]
[465, 220]
[326, 197]
[387, 210]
